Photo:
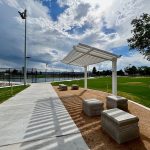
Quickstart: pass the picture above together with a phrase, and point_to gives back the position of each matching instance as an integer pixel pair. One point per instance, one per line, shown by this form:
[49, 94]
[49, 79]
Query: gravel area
[90, 127]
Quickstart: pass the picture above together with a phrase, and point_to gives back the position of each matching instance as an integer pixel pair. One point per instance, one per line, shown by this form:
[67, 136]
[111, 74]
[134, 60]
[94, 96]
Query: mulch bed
[90, 127]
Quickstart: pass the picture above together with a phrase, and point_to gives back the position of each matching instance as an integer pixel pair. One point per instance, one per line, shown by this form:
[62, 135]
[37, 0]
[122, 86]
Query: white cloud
[49, 40]
[11, 3]
[116, 14]
[135, 59]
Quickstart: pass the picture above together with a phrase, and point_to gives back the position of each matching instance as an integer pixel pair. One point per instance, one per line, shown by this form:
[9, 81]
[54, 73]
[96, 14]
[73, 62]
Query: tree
[98, 73]
[127, 70]
[120, 73]
[141, 35]
[15, 72]
[131, 70]
[106, 72]
[144, 70]
[94, 71]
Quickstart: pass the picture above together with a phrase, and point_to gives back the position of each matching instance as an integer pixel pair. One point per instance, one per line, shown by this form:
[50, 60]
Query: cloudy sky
[54, 26]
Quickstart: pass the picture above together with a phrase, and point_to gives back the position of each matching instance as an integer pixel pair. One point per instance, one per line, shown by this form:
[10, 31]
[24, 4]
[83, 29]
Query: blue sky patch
[108, 30]
[122, 50]
[78, 29]
[54, 9]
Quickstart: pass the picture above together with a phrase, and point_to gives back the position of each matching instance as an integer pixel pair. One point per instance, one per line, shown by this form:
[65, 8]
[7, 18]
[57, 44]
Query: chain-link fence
[34, 75]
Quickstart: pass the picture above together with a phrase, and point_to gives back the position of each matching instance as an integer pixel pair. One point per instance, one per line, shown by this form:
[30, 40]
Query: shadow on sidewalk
[50, 127]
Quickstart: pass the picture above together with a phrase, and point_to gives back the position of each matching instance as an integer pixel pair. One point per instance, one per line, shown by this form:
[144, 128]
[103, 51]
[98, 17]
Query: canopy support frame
[85, 77]
[114, 76]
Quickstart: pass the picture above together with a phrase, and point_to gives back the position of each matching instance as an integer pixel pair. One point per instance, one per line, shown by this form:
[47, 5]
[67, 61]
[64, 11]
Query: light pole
[23, 15]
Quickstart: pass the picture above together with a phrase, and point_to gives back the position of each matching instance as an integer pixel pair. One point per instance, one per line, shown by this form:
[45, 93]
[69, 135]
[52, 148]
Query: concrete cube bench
[63, 87]
[120, 125]
[92, 107]
[117, 102]
[60, 86]
[74, 87]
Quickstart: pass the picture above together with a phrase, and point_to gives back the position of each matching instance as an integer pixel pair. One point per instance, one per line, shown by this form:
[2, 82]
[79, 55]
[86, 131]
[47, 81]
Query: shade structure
[85, 55]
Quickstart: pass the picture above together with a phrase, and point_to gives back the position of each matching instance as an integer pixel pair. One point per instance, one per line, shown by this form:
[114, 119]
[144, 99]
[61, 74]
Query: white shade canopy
[84, 55]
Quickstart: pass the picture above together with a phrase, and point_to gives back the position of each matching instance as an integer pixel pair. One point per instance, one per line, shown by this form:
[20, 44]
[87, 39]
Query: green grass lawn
[133, 88]
[6, 93]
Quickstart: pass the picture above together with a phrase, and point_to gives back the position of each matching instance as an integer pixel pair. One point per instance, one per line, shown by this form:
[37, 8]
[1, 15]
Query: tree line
[130, 70]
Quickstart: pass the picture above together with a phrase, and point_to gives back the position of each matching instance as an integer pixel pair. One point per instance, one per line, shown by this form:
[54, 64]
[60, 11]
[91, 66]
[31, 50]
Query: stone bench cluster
[64, 87]
[119, 124]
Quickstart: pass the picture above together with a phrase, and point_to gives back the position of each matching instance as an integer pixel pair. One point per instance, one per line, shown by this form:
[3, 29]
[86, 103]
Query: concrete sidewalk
[36, 119]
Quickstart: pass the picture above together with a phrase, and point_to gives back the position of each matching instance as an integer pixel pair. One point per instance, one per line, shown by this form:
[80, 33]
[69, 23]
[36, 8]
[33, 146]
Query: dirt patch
[90, 127]
[134, 83]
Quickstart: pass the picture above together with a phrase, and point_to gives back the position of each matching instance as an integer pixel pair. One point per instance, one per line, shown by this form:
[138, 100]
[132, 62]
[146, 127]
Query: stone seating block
[74, 87]
[63, 87]
[60, 86]
[120, 125]
[117, 102]
[92, 107]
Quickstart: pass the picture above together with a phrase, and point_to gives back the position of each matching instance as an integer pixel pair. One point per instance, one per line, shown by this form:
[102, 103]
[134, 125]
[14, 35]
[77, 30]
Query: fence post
[9, 76]
[11, 89]
[32, 74]
[20, 75]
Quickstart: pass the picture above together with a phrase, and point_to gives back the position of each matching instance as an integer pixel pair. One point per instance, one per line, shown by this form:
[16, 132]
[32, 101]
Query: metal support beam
[114, 76]
[85, 77]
